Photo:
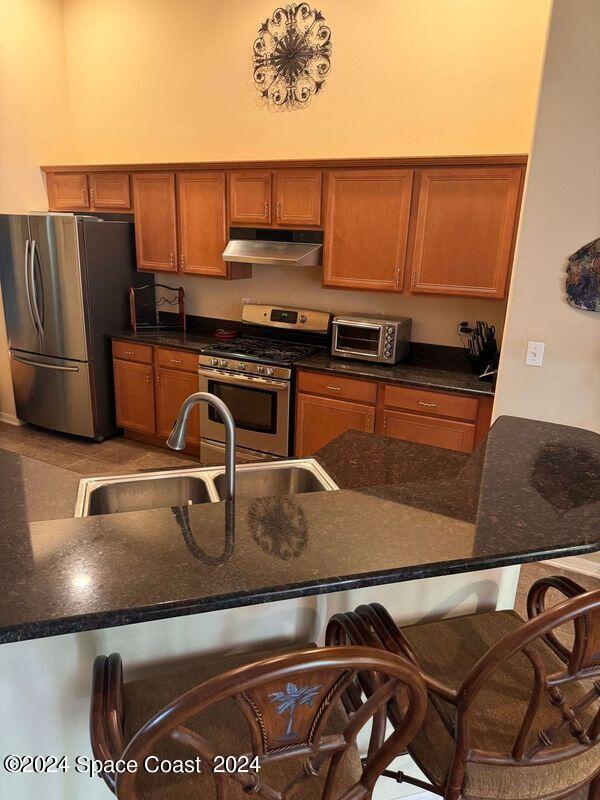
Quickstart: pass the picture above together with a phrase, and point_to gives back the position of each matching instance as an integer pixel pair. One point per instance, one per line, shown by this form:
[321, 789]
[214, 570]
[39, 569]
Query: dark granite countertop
[440, 373]
[182, 341]
[415, 372]
[405, 511]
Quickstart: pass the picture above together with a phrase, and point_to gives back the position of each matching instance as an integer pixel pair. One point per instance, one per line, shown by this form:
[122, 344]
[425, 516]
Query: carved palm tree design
[290, 699]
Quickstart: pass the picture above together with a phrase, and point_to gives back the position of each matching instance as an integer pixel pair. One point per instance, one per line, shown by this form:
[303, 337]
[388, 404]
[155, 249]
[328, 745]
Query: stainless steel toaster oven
[382, 341]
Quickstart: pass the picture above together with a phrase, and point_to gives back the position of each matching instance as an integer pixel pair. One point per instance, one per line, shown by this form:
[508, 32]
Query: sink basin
[140, 492]
[275, 480]
[146, 493]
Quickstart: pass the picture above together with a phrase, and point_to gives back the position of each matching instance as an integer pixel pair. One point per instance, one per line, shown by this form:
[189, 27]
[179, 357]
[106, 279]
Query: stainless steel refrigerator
[65, 281]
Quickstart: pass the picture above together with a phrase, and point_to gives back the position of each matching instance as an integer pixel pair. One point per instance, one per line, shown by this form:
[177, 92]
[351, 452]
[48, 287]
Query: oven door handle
[227, 377]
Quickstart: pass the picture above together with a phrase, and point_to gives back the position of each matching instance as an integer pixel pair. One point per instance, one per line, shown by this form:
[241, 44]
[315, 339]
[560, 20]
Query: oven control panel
[283, 317]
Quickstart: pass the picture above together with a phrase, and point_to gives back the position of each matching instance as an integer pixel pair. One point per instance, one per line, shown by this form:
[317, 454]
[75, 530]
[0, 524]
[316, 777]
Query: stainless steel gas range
[253, 375]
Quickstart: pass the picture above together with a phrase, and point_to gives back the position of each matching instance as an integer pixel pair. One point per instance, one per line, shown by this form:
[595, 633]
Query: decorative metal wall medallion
[292, 56]
[583, 277]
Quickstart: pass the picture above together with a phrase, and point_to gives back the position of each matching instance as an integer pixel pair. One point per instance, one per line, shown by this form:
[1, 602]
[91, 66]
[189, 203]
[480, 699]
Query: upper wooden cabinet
[250, 197]
[366, 228]
[68, 191]
[465, 229]
[202, 222]
[155, 221]
[298, 197]
[109, 190]
[286, 198]
[98, 191]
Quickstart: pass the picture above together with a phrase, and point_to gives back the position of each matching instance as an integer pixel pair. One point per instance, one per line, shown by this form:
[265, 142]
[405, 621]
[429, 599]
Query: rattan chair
[513, 712]
[282, 707]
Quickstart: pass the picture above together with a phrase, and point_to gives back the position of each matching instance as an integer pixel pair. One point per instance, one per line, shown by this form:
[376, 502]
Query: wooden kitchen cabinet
[134, 395]
[366, 228]
[155, 221]
[68, 191]
[250, 197]
[109, 191]
[96, 191]
[321, 419]
[435, 431]
[298, 197]
[202, 222]
[465, 229]
[173, 386]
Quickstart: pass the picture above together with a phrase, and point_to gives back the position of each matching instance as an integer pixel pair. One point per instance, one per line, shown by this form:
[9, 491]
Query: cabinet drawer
[438, 404]
[333, 385]
[445, 433]
[177, 359]
[132, 351]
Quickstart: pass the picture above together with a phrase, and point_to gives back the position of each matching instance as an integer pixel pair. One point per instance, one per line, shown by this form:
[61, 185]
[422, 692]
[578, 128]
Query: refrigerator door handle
[32, 363]
[36, 310]
[28, 287]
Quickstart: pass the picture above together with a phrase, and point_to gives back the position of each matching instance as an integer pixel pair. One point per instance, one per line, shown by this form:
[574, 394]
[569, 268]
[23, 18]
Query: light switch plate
[535, 354]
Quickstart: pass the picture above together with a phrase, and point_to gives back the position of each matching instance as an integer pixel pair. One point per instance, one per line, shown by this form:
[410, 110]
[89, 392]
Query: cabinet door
[298, 197]
[466, 224]
[250, 197]
[319, 420]
[134, 395]
[110, 190]
[67, 191]
[155, 221]
[437, 432]
[366, 228]
[202, 222]
[172, 388]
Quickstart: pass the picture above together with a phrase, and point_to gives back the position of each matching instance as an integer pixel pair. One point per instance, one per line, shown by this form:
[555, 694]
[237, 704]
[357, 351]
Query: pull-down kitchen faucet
[176, 440]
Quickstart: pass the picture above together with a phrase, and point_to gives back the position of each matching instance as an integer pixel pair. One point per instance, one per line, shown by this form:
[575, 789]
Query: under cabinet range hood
[280, 248]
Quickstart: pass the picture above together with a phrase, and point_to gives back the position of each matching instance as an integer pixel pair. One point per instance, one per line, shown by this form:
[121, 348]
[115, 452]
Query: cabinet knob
[182, 261]
[266, 209]
[171, 259]
[278, 211]
[92, 197]
[129, 352]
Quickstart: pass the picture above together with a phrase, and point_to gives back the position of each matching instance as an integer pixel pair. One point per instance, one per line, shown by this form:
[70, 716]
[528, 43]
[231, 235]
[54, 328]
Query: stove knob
[260, 369]
[222, 363]
[214, 362]
[241, 365]
[303, 317]
[269, 370]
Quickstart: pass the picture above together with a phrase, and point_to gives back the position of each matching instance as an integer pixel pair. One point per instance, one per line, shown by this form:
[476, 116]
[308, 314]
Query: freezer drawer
[53, 393]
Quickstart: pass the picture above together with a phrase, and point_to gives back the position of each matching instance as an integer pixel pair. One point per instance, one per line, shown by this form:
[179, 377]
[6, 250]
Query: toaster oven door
[355, 339]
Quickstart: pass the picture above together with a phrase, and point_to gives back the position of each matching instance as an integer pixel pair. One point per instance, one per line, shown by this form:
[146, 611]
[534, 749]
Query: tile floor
[116, 455]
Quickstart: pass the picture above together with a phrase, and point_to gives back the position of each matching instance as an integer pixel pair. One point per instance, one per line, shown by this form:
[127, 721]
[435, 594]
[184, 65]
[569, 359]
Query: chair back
[286, 702]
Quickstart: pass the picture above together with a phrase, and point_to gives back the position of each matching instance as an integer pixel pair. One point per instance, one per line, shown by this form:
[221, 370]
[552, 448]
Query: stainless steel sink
[141, 494]
[143, 491]
[275, 480]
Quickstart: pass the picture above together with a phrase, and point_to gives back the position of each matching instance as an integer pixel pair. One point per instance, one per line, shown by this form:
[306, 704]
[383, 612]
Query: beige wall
[152, 80]
[561, 212]
[33, 118]
[435, 319]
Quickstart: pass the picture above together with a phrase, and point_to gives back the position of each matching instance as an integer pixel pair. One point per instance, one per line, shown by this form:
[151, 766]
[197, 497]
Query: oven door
[354, 339]
[260, 408]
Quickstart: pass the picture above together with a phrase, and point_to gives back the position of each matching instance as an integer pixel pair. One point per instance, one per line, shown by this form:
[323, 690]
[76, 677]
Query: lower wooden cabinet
[425, 416]
[134, 395]
[321, 419]
[172, 388]
[435, 431]
[151, 383]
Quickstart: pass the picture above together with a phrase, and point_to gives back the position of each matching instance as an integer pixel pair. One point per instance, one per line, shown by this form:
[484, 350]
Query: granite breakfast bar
[407, 525]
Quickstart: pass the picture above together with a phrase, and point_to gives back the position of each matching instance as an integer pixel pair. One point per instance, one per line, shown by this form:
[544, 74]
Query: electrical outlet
[535, 354]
